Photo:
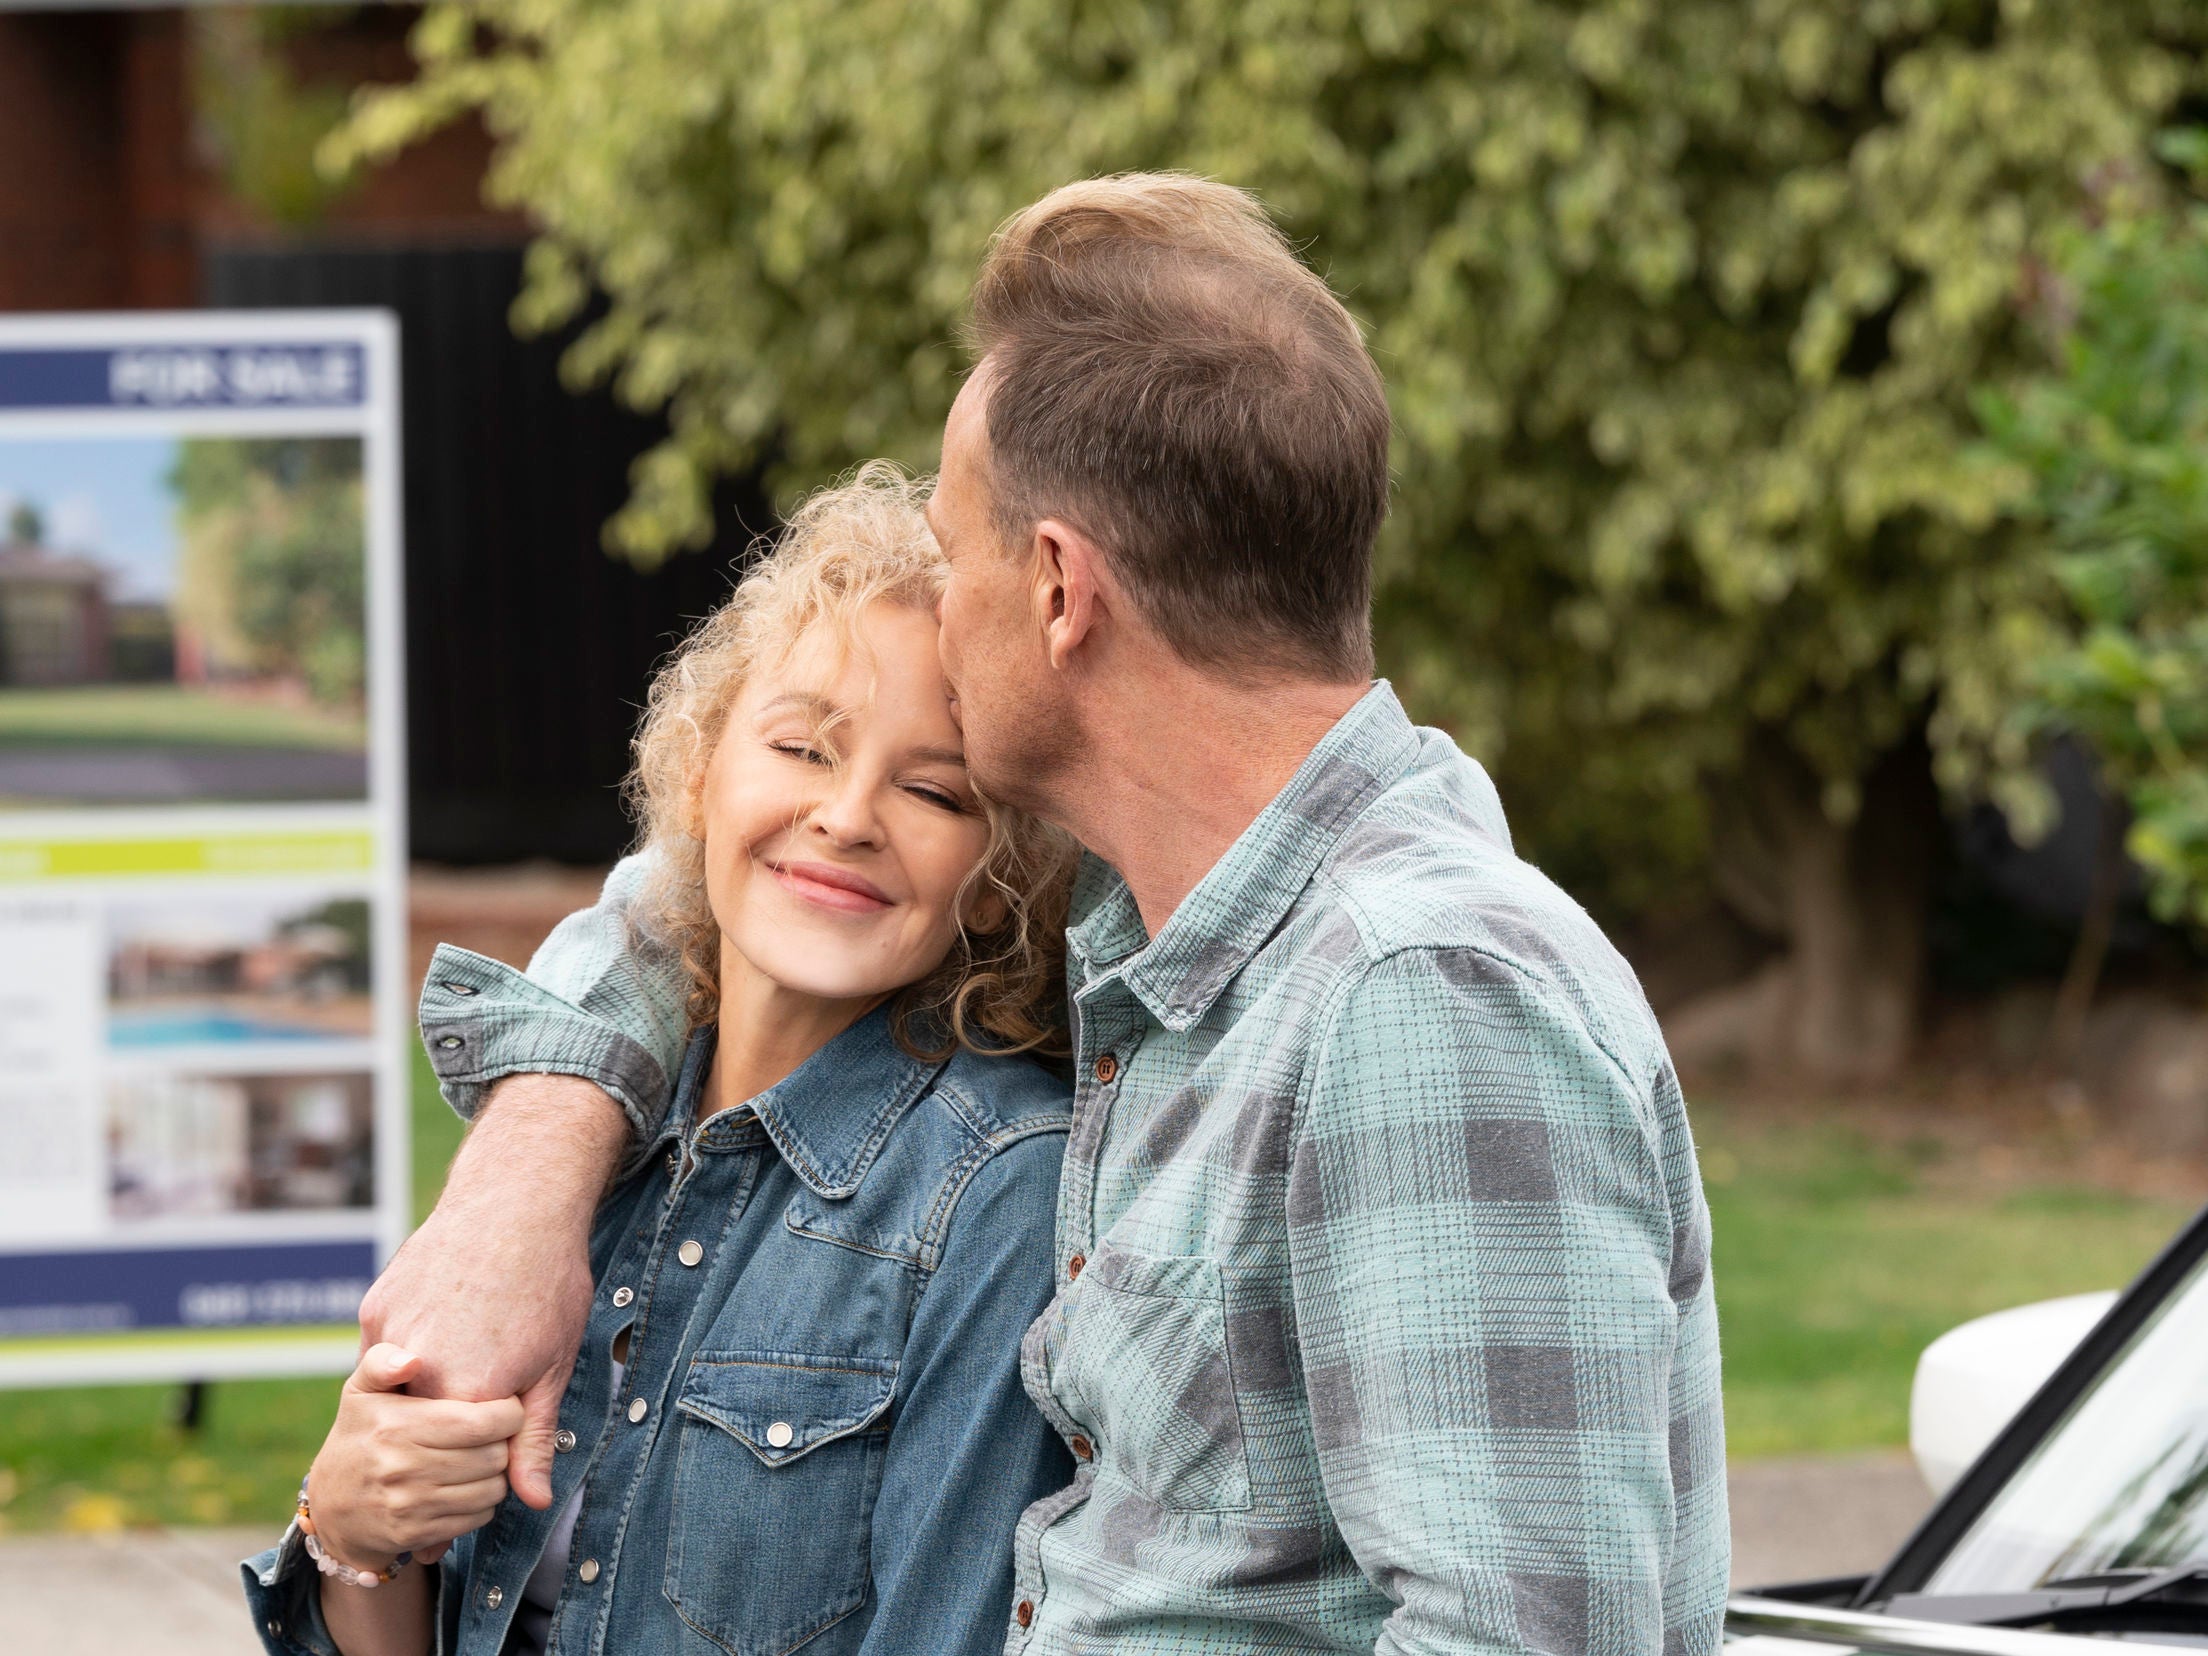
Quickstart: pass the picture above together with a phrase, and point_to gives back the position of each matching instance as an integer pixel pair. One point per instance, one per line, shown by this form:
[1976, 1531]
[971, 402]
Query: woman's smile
[839, 889]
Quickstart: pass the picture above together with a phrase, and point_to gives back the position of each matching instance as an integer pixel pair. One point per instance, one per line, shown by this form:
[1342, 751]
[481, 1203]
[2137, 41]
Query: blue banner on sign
[87, 1293]
[287, 374]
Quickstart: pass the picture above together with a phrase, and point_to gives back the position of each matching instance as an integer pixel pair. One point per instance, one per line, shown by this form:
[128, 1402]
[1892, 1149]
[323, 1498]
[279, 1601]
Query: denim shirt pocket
[1145, 1363]
[780, 1455]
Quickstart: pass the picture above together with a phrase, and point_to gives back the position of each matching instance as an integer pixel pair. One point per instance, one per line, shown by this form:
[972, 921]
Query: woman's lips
[831, 887]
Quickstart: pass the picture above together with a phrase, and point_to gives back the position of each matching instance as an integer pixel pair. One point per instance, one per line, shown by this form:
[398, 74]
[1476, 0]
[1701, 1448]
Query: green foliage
[261, 120]
[26, 524]
[273, 565]
[2117, 441]
[1679, 302]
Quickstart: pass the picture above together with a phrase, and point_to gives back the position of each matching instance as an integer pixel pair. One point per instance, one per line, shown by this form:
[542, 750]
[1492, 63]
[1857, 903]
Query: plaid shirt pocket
[1145, 1361]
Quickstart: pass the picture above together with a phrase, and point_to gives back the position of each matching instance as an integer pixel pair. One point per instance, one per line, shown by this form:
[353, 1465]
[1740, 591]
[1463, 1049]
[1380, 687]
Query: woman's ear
[984, 909]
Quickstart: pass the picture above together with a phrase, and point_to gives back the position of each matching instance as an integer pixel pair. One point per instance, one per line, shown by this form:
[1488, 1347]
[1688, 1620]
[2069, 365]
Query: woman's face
[840, 826]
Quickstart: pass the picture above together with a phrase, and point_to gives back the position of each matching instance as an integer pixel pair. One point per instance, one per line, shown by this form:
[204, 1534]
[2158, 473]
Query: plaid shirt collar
[1234, 908]
[830, 1116]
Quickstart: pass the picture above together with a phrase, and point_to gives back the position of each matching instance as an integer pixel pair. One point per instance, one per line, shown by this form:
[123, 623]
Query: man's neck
[1184, 769]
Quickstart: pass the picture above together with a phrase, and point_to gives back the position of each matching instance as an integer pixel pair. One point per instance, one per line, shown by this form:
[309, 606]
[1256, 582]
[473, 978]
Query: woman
[796, 1417]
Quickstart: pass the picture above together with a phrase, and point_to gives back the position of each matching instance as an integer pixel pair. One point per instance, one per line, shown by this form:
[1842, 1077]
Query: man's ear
[1071, 591]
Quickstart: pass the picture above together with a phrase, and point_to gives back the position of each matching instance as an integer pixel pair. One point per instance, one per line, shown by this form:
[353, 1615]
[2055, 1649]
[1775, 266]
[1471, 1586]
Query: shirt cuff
[283, 1590]
[482, 1021]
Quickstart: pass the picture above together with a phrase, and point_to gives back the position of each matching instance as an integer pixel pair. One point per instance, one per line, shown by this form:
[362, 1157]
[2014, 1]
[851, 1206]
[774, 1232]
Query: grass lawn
[1838, 1259]
[165, 715]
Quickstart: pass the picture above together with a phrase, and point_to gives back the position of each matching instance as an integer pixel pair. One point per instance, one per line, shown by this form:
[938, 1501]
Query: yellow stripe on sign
[313, 851]
[148, 1339]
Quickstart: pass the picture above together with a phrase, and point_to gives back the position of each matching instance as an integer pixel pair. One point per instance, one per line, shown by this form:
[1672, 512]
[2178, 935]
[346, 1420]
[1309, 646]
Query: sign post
[203, 1018]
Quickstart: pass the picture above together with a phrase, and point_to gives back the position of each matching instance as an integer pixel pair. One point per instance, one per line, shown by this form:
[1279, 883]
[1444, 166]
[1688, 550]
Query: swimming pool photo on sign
[245, 967]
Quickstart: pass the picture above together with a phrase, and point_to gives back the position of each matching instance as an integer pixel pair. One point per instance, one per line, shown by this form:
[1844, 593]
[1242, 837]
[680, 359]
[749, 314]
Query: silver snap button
[461, 988]
[587, 1571]
[449, 1042]
[622, 1295]
[639, 1409]
[779, 1435]
[690, 1252]
[563, 1440]
[493, 1599]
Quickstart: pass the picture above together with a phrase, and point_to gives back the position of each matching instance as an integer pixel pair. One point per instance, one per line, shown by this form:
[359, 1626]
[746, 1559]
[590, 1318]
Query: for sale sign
[203, 1020]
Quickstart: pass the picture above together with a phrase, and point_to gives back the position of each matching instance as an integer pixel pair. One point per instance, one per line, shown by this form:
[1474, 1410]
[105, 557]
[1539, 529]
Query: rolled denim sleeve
[600, 1001]
[969, 1451]
[282, 1590]
[1482, 1245]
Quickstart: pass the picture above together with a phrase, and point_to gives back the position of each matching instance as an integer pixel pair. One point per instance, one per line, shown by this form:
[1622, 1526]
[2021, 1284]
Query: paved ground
[176, 1593]
[1795, 1520]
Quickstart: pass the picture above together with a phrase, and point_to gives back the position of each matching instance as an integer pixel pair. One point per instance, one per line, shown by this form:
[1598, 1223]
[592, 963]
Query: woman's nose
[847, 815]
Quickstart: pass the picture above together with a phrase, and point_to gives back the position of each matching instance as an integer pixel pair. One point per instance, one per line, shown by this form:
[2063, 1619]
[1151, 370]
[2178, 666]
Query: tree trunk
[2096, 930]
[1849, 900]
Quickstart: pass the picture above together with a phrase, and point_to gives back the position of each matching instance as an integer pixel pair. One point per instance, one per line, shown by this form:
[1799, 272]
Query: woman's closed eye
[811, 753]
[935, 793]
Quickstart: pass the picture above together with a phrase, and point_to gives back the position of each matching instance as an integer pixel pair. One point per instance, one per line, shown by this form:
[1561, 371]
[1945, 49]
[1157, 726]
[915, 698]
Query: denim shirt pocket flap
[849, 1225]
[782, 1406]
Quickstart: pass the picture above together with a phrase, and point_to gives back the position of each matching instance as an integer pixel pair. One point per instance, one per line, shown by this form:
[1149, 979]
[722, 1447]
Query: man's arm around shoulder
[554, 1069]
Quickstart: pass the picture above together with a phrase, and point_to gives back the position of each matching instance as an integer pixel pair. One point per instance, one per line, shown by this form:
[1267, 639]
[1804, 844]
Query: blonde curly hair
[859, 542]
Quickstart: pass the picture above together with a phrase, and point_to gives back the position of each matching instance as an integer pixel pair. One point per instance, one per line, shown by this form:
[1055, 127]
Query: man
[1385, 1319]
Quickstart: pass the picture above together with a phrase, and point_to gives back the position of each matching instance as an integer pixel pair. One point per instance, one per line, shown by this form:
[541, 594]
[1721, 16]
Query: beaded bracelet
[330, 1566]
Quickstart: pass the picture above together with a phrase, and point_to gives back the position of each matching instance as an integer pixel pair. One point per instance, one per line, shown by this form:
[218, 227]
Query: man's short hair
[1167, 376]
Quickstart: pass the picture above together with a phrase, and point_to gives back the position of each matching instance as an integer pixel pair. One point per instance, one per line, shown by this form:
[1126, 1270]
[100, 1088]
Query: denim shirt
[821, 1437]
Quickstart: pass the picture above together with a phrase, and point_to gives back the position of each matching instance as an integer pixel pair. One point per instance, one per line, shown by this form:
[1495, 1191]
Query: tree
[26, 524]
[2115, 438]
[1679, 301]
[272, 565]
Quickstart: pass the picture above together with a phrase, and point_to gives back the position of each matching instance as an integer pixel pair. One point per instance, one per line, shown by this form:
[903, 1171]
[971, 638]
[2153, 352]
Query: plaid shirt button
[1024, 1613]
[1107, 1067]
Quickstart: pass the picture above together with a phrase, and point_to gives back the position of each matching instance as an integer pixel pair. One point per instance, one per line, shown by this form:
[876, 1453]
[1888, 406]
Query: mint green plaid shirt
[1385, 1319]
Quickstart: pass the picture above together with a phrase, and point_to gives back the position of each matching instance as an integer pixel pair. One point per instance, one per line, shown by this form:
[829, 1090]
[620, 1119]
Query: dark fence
[528, 647]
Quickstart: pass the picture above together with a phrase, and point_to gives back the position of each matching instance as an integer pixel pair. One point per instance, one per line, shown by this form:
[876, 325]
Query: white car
[2084, 1517]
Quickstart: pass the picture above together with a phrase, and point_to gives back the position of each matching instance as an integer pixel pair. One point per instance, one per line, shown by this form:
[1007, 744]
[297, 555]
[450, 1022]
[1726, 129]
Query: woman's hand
[405, 1474]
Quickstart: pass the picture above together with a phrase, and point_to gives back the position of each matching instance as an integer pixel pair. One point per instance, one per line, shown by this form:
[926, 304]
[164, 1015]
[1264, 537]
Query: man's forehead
[969, 421]
[965, 452]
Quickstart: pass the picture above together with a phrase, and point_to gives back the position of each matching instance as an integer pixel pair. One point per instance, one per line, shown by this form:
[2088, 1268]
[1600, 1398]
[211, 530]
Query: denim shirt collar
[1234, 908]
[830, 1116]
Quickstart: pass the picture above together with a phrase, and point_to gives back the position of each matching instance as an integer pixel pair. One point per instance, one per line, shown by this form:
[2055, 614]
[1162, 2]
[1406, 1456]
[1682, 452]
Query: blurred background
[1802, 507]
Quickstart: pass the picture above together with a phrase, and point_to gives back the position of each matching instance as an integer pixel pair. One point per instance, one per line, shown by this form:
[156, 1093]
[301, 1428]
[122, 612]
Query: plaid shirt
[1385, 1320]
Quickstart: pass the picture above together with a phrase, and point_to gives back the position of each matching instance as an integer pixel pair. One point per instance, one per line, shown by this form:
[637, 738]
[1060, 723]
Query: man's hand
[493, 1291]
[406, 1473]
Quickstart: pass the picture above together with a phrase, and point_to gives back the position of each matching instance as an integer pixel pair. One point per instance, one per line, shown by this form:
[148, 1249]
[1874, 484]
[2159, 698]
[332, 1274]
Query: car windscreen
[2120, 1483]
